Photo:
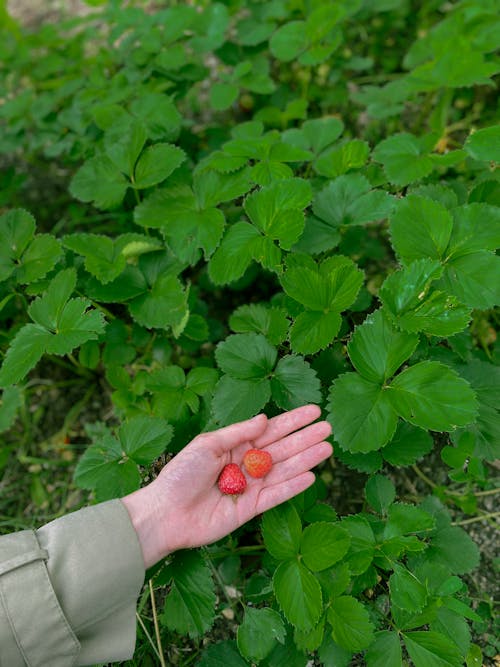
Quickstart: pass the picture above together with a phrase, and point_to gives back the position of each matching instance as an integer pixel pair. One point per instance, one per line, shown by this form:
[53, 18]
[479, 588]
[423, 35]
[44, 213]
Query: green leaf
[433, 396]
[271, 322]
[129, 284]
[246, 356]
[103, 468]
[377, 350]
[380, 493]
[439, 314]
[420, 228]
[190, 604]
[404, 157]
[282, 531]
[313, 331]
[234, 255]
[145, 438]
[310, 641]
[323, 544]
[321, 132]
[289, 41]
[222, 654]
[308, 287]
[159, 114]
[405, 519]
[17, 228]
[211, 188]
[406, 591]
[29, 257]
[432, 649]
[186, 226]
[100, 182]
[222, 95]
[404, 290]
[61, 325]
[317, 237]
[367, 463]
[163, 305]
[351, 625]
[10, 402]
[75, 326]
[259, 632]
[474, 279]
[298, 594]
[385, 650]
[156, 163]
[103, 257]
[484, 379]
[294, 383]
[474, 657]
[322, 19]
[446, 70]
[338, 160]
[331, 653]
[171, 399]
[267, 253]
[408, 445]
[236, 400]
[123, 142]
[39, 258]
[350, 200]
[454, 626]
[277, 210]
[361, 414]
[46, 310]
[362, 550]
[484, 144]
[452, 547]
[24, 352]
[476, 227]
[331, 285]
[460, 608]
[202, 380]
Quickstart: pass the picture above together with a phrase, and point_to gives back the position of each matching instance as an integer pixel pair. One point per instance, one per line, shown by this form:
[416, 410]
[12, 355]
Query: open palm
[184, 507]
[194, 511]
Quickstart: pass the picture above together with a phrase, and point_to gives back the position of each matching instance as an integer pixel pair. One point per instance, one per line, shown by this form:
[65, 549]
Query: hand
[184, 507]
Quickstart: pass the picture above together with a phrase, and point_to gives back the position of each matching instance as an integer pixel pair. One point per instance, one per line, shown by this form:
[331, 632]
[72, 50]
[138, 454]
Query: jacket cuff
[97, 570]
[33, 627]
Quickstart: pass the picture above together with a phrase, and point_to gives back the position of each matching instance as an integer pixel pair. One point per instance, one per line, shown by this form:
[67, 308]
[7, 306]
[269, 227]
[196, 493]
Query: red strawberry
[257, 462]
[231, 480]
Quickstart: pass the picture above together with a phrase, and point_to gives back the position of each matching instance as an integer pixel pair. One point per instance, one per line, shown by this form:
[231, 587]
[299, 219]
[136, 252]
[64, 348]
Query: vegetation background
[130, 120]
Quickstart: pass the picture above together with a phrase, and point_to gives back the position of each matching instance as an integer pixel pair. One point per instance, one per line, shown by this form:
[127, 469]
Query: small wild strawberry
[257, 462]
[231, 480]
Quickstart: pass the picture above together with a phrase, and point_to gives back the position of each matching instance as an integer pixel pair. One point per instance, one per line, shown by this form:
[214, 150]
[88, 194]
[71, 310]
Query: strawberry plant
[210, 210]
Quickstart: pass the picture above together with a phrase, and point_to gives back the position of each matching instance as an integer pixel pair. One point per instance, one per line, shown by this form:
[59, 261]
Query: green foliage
[250, 206]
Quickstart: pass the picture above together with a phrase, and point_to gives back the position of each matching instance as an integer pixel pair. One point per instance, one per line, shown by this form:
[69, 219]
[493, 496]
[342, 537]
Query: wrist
[143, 509]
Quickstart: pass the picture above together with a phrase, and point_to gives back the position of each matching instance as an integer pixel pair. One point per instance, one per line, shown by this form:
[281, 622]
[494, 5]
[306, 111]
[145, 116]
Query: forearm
[79, 577]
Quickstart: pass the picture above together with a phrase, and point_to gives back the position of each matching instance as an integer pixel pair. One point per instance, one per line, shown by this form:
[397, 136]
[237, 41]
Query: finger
[298, 441]
[299, 463]
[287, 422]
[279, 493]
[228, 437]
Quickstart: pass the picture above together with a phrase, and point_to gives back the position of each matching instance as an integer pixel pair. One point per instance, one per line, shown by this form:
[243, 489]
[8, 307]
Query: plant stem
[150, 639]
[465, 522]
[424, 477]
[490, 492]
[157, 628]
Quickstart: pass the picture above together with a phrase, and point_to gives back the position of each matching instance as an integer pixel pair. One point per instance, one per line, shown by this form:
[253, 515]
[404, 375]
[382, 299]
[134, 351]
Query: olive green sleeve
[68, 590]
